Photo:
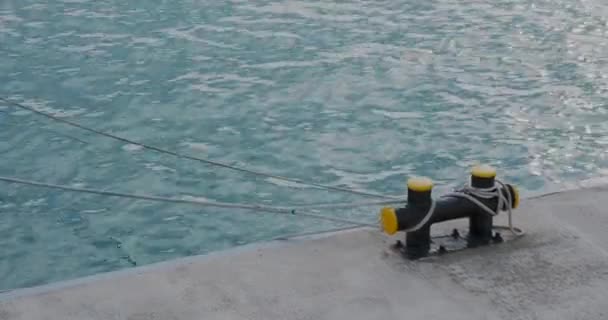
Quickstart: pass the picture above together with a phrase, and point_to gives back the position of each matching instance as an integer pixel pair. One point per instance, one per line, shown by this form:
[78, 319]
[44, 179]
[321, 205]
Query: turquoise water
[360, 94]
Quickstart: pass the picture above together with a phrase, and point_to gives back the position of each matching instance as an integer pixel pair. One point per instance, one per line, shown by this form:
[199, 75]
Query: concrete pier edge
[19, 292]
[8, 296]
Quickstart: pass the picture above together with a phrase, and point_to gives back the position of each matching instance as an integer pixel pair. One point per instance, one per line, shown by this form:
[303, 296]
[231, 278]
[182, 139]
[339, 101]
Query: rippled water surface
[353, 93]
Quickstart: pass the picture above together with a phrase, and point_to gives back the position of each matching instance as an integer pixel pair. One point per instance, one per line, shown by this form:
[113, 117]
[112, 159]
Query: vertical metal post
[418, 242]
[480, 224]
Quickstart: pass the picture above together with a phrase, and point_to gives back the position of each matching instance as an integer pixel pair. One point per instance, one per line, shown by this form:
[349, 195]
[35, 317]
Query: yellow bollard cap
[388, 220]
[420, 184]
[515, 197]
[484, 171]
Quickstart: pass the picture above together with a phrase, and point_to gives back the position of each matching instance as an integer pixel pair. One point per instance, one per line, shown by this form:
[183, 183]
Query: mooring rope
[295, 210]
[184, 156]
[424, 220]
[467, 192]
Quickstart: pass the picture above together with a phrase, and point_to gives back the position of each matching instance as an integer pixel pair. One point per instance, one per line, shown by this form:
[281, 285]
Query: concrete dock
[558, 270]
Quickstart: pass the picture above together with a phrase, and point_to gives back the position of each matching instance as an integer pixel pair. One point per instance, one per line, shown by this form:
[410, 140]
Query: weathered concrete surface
[559, 270]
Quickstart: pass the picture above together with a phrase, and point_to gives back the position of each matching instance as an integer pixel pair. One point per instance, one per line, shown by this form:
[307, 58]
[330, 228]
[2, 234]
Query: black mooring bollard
[419, 202]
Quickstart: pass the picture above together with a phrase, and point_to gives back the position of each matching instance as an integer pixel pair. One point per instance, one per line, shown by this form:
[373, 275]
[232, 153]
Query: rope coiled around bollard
[469, 192]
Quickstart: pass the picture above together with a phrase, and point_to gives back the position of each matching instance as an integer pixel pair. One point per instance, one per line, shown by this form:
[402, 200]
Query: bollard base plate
[457, 240]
